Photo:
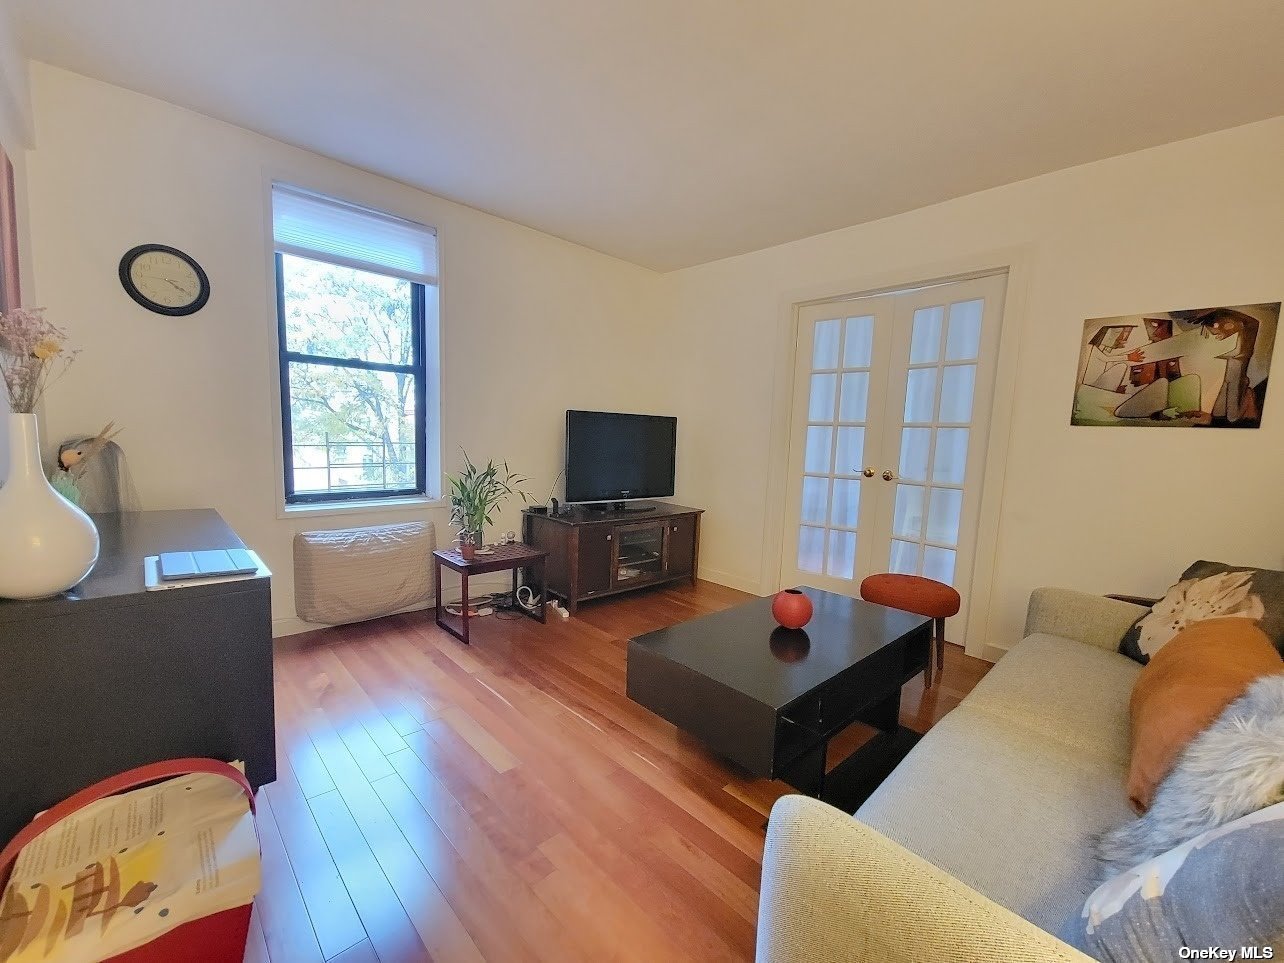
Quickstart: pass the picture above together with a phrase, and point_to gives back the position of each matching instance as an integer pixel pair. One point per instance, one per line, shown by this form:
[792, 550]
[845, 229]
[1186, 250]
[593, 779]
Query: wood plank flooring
[506, 801]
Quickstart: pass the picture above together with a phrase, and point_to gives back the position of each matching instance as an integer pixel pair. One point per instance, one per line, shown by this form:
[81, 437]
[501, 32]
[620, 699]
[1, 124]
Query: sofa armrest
[834, 889]
[1091, 619]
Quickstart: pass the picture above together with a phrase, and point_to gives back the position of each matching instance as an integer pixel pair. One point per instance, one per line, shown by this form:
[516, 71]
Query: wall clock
[164, 279]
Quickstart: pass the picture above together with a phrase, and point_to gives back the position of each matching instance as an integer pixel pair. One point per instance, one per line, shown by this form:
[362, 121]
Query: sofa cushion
[1071, 693]
[1210, 590]
[1226, 885]
[1184, 688]
[1005, 809]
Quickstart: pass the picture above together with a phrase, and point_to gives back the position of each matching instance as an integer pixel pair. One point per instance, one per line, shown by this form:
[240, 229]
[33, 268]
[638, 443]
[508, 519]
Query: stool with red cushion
[922, 596]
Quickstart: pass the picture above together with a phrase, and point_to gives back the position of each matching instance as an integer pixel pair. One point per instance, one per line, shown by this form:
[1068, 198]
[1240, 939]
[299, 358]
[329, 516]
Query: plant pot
[791, 608]
[467, 545]
[47, 544]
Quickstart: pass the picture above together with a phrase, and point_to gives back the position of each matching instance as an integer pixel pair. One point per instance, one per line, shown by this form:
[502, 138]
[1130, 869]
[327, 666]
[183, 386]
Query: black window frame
[418, 369]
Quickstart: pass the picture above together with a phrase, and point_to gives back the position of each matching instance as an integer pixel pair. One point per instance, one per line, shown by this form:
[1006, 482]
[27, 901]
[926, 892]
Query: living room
[633, 211]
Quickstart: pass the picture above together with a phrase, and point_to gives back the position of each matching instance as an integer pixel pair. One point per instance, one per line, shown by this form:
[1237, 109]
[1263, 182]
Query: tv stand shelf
[594, 553]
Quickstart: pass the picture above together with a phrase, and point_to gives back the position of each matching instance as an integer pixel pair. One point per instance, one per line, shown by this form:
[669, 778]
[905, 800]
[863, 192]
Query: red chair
[922, 596]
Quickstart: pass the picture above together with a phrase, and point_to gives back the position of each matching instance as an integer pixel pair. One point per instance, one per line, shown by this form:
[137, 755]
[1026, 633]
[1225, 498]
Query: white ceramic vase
[47, 544]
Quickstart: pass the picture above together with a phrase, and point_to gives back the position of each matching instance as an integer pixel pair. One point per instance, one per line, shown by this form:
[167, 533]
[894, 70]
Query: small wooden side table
[501, 558]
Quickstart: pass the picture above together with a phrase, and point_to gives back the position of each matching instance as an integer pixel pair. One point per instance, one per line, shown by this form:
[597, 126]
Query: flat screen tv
[614, 458]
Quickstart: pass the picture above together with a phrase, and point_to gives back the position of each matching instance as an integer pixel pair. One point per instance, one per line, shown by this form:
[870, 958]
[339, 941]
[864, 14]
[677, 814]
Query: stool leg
[940, 647]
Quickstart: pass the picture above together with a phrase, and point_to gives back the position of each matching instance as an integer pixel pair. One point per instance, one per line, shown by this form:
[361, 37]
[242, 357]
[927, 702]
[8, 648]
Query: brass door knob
[887, 475]
[868, 473]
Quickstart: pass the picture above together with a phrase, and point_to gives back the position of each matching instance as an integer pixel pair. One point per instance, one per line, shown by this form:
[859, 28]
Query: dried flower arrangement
[33, 355]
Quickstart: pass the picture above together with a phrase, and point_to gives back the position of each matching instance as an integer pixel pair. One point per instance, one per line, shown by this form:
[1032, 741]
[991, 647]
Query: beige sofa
[978, 846]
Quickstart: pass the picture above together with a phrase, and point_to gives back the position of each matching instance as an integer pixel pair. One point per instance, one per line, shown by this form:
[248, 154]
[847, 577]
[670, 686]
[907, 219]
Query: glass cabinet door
[639, 554]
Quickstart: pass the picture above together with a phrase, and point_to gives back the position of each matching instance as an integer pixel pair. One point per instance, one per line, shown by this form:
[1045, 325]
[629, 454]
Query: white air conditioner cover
[353, 574]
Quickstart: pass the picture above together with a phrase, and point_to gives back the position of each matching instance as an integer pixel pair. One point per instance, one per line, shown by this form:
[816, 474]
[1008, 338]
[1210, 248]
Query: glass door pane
[889, 428]
[640, 553]
[840, 387]
[945, 340]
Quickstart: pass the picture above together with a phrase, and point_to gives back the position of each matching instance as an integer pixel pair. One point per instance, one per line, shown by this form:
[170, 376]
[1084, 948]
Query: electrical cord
[501, 603]
[526, 598]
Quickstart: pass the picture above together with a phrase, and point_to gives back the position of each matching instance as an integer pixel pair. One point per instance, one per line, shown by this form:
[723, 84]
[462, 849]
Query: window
[357, 323]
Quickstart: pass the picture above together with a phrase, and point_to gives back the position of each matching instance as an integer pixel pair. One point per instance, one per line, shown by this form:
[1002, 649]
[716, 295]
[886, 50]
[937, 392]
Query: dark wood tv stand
[592, 554]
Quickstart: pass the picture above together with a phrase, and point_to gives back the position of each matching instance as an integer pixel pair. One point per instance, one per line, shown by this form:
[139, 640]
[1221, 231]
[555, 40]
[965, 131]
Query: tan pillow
[1184, 688]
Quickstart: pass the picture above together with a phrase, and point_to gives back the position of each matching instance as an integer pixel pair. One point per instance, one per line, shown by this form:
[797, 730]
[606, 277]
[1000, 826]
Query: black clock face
[164, 279]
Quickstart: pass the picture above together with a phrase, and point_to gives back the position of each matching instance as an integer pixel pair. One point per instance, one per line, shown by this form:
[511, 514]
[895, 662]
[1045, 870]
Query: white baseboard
[478, 585]
[292, 625]
[993, 651]
[731, 581]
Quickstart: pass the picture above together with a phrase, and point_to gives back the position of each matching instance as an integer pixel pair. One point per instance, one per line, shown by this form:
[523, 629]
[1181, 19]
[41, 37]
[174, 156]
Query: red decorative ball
[791, 608]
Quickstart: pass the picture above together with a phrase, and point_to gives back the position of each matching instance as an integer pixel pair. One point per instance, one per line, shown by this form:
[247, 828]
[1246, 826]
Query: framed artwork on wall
[10, 290]
[1195, 368]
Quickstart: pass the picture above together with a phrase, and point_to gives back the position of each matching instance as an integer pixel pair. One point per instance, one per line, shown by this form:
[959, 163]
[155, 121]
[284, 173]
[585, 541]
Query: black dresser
[109, 676]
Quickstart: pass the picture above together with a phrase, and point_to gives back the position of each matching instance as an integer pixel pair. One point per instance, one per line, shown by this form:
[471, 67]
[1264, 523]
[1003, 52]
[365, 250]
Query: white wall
[1192, 224]
[532, 324]
[15, 136]
[15, 97]
[535, 325]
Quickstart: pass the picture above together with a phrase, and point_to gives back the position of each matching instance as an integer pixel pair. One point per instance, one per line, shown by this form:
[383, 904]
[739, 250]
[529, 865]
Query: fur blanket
[1234, 767]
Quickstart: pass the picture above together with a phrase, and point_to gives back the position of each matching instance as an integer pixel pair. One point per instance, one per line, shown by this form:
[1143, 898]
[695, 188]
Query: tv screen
[613, 457]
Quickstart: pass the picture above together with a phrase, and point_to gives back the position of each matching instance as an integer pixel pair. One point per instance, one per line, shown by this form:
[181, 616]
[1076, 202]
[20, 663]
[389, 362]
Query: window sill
[362, 506]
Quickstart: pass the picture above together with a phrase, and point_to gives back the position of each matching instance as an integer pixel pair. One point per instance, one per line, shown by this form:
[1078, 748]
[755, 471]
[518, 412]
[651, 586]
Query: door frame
[1017, 262]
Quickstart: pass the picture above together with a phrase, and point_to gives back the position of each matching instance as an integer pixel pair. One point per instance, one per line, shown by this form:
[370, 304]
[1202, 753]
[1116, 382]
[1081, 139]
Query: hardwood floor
[506, 801]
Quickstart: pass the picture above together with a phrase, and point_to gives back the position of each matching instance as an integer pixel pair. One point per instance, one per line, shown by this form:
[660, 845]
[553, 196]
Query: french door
[891, 412]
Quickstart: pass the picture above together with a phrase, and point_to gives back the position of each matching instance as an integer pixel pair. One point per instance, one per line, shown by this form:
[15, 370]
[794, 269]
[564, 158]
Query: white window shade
[313, 225]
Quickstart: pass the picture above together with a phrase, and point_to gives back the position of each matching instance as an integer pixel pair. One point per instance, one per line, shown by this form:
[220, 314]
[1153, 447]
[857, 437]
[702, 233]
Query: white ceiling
[672, 132]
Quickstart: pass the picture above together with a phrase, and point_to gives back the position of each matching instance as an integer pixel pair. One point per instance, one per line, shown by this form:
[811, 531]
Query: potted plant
[476, 493]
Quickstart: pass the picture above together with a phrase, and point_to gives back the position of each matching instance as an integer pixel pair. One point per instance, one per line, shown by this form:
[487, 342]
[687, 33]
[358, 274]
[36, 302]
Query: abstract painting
[1198, 368]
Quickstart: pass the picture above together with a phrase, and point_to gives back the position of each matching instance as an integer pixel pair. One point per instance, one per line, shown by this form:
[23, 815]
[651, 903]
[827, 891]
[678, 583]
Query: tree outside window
[353, 371]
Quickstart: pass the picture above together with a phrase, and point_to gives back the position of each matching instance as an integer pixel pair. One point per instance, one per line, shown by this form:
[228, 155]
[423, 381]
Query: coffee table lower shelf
[853, 780]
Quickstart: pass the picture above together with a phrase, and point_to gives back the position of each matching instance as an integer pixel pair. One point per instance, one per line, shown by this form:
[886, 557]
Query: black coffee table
[770, 699]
